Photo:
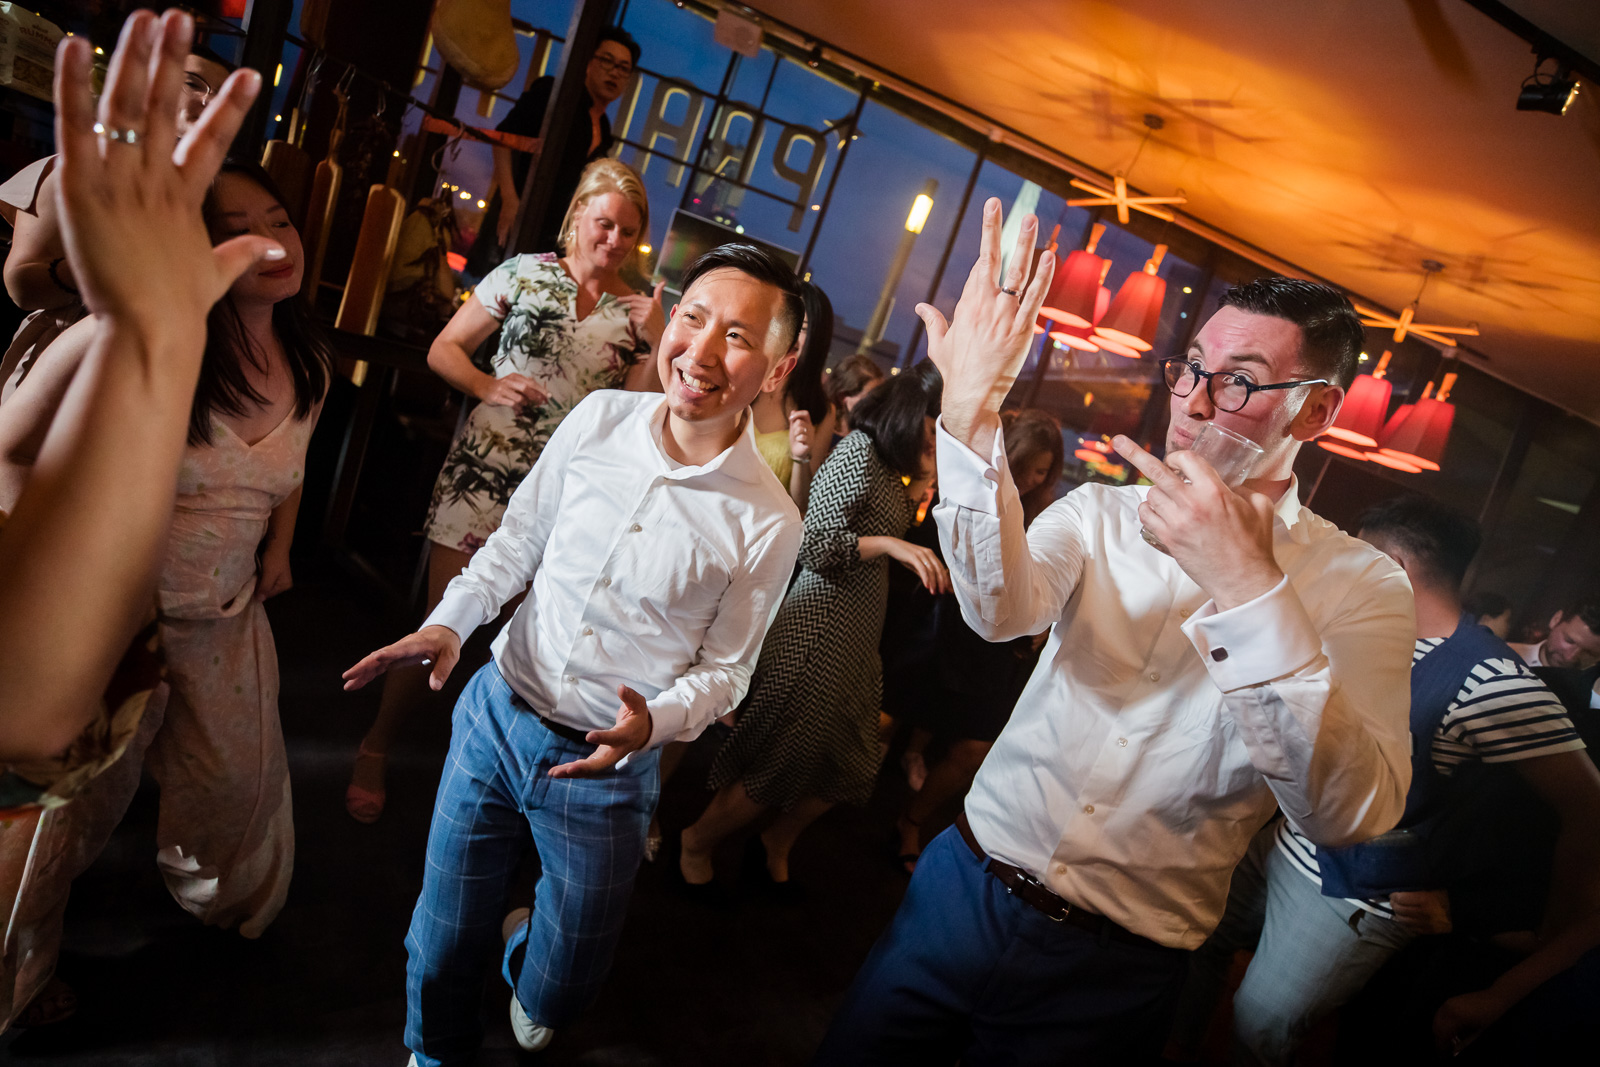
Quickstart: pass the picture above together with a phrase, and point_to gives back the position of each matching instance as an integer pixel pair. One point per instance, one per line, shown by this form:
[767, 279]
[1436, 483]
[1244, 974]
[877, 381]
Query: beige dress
[21, 193]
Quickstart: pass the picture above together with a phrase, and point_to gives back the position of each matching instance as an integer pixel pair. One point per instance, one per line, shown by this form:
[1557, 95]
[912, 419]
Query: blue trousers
[968, 972]
[589, 833]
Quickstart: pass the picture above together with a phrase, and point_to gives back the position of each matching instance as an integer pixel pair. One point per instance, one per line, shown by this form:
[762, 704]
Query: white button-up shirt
[1158, 732]
[645, 572]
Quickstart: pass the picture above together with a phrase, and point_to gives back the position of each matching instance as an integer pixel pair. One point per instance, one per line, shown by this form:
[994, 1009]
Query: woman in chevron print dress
[807, 733]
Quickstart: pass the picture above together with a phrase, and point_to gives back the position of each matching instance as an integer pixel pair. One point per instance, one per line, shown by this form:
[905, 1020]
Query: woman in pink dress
[225, 837]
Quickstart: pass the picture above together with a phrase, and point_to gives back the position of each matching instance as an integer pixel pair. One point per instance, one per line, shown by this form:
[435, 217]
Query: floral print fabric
[541, 337]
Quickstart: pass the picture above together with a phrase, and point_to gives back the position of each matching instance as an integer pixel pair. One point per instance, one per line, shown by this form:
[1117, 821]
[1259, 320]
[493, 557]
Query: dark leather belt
[561, 730]
[1032, 892]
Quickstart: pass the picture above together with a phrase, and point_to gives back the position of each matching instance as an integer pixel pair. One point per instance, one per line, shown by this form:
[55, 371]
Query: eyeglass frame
[610, 65]
[205, 97]
[1250, 388]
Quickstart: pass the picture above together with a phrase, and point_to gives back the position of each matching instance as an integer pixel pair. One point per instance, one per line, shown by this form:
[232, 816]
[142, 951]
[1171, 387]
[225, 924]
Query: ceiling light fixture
[1551, 93]
[1366, 402]
[1118, 194]
[1132, 319]
[1405, 323]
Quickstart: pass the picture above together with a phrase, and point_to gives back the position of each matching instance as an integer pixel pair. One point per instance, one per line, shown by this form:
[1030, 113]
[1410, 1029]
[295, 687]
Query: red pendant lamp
[1366, 402]
[1134, 315]
[1083, 338]
[1344, 450]
[1419, 439]
[1075, 289]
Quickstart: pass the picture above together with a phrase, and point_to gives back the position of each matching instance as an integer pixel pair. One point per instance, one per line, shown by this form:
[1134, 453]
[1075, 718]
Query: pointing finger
[1158, 472]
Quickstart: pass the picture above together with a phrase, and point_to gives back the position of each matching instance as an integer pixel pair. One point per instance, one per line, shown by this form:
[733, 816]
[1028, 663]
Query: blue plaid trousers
[589, 833]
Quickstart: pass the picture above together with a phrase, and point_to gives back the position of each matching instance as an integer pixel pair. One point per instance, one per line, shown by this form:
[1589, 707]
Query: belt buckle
[1059, 913]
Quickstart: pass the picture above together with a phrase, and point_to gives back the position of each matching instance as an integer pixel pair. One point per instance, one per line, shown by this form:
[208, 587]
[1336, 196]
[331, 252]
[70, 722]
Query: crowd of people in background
[1125, 766]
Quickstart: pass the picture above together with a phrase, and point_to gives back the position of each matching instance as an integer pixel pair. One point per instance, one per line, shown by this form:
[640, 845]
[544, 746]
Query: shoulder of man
[528, 111]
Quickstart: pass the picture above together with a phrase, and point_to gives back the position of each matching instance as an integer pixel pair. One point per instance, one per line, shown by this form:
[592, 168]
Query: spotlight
[1552, 93]
[814, 57]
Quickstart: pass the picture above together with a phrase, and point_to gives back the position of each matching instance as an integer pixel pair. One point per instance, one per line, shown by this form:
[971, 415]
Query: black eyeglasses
[1228, 391]
[621, 66]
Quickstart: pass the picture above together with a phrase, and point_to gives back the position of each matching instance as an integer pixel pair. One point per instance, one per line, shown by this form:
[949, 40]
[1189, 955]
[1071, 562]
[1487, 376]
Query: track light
[1553, 93]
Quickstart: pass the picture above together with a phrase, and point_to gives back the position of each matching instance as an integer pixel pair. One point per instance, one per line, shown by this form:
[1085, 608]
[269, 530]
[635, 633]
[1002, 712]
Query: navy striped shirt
[1502, 714]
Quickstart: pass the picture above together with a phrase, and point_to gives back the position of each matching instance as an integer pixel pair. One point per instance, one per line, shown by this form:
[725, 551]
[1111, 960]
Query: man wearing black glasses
[608, 73]
[1265, 663]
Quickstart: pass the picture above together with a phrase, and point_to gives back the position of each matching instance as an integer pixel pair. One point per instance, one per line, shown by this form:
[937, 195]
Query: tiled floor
[748, 985]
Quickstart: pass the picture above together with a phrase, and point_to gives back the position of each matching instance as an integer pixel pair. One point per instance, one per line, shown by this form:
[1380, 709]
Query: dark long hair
[892, 416]
[223, 387]
[1031, 432]
[804, 386]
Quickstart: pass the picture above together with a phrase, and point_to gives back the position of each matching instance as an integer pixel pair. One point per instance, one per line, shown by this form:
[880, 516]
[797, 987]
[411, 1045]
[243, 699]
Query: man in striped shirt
[1322, 924]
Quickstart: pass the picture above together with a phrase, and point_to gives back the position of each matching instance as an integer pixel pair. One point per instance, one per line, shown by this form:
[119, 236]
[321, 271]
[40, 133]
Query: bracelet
[800, 459]
[51, 270]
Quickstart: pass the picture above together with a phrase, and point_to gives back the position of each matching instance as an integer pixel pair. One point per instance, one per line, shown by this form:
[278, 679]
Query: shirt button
[635, 528]
[1061, 868]
[605, 581]
[1183, 613]
[588, 631]
[572, 679]
[1122, 742]
[1088, 809]
[1154, 676]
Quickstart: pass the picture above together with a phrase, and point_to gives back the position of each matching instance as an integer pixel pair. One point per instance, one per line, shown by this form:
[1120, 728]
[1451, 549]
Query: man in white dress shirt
[658, 546]
[1264, 663]
[1573, 645]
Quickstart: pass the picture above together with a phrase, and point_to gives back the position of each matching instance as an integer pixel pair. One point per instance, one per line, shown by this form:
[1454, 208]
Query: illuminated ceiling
[1352, 138]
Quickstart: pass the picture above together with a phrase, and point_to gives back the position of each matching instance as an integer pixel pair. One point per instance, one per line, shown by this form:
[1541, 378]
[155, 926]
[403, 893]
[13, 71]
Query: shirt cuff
[1269, 637]
[666, 722]
[459, 611]
[966, 478]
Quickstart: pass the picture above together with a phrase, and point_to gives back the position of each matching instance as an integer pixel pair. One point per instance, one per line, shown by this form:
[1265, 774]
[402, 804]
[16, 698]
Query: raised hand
[631, 733]
[438, 645]
[645, 314]
[130, 195]
[514, 391]
[981, 349]
[800, 433]
[1221, 538]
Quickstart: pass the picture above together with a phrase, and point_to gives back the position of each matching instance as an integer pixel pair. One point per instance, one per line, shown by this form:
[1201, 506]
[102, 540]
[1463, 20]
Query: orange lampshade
[1116, 348]
[1088, 456]
[1360, 420]
[1074, 290]
[1136, 312]
[1394, 462]
[1419, 438]
[1344, 450]
[1075, 338]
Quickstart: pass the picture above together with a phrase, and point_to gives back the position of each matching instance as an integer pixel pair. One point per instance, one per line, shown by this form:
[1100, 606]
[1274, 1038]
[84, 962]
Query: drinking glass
[1232, 455]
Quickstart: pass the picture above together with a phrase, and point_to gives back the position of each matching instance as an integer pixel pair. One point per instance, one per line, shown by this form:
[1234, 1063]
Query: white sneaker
[529, 1034]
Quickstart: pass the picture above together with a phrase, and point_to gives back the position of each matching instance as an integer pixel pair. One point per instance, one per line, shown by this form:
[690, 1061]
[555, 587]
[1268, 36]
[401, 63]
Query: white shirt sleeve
[1009, 582]
[1324, 716]
[505, 564]
[720, 675]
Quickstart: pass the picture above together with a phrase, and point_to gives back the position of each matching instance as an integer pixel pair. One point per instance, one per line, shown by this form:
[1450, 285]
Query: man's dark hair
[764, 267]
[1328, 324]
[892, 415]
[1441, 539]
[207, 54]
[1588, 611]
[622, 37]
[1486, 605]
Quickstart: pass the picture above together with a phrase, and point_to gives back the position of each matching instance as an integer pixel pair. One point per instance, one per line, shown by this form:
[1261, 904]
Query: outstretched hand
[436, 645]
[980, 351]
[130, 206]
[1221, 538]
[630, 734]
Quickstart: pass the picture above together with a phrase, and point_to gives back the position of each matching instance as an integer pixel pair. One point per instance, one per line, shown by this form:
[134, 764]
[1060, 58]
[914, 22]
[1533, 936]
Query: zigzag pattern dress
[809, 725]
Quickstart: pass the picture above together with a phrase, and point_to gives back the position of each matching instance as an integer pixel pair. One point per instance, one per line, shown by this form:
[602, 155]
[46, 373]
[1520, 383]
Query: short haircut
[1486, 605]
[1441, 539]
[1587, 611]
[622, 37]
[599, 178]
[212, 57]
[892, 416]
[1329, 327]
[764, 267]
[851, 377]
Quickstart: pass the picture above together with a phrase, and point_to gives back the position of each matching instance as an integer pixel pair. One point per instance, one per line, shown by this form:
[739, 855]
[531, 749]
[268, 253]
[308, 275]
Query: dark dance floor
[751, 983]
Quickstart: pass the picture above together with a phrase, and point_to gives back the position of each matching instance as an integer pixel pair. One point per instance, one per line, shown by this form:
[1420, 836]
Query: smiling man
[659, 546]
[1180, 699]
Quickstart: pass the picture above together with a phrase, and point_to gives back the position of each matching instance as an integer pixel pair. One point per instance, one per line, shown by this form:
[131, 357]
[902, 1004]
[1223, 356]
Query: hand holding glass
[1233, 456]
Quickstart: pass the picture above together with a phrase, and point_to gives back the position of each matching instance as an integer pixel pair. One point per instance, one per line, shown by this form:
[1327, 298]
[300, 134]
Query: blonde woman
[568, 325]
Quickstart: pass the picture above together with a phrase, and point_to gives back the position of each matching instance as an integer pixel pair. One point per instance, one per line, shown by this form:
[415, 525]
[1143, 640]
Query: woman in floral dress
[568, 325]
